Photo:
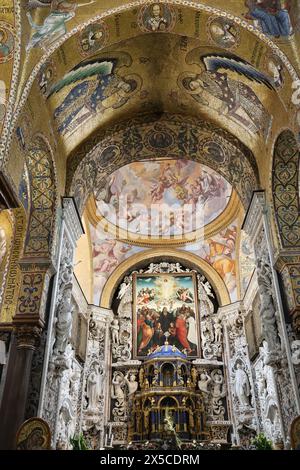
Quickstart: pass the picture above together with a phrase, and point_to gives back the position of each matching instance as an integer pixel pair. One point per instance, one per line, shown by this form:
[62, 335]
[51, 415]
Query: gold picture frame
[165, 303]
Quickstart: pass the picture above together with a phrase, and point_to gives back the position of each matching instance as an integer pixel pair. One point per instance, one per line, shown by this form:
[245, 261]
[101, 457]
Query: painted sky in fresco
[138, 195]
[219, 251]
[107, 254]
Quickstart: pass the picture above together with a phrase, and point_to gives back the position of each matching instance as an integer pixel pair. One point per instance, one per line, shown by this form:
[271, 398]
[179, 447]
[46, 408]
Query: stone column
[276, 352]
[59, 360]
[28, 323]
[94, 402]
[240, 384]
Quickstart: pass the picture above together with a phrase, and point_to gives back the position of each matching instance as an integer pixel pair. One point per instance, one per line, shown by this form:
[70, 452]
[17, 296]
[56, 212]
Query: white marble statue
[93, 388]
[206, 285]
[218, 331]
[153, 268]
[204, 294]
[64, 322]
[218, 389]
[177, 268]
[267, 308]
[241, 385]
[295, 348]
[115, 331]
[125, 305]
[204, 382]
[131, 382]
[117, 392]
[123, 288]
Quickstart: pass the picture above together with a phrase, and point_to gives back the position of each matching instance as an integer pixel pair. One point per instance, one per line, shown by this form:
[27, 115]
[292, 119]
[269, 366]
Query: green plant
[262, 443]
[78, 442]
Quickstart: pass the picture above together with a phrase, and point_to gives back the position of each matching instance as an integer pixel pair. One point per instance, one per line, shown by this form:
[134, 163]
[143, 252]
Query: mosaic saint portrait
[93, 38]
[46, 77]
[34, 434]
[54, 25]
[223, 32]
[7, 42]
[275, 70]
[157, 17]
[165, 309]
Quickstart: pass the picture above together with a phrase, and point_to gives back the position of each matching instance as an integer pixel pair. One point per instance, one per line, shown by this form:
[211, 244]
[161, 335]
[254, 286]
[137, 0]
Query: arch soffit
[179, 137]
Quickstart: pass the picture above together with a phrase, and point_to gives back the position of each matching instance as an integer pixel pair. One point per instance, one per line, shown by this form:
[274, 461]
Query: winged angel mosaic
[90, 89]
[217, 86]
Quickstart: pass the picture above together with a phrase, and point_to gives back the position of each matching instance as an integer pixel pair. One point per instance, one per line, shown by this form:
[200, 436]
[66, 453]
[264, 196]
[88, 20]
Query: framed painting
[165, 307]
[34, 434]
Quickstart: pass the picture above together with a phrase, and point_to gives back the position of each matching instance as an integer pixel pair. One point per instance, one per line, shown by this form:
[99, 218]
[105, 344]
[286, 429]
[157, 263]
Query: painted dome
[166, 198]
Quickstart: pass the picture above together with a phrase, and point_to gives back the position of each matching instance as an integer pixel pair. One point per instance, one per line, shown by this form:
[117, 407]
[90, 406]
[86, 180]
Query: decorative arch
[152, 255]
[285, 189]
[162, 136]
[42, 214]
[70, 41]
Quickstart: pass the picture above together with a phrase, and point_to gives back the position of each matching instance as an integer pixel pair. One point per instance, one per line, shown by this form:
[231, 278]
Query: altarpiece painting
[165, 308]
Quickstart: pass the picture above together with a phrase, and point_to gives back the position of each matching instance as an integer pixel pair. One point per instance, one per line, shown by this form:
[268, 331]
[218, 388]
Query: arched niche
[42, 213]
[157, 255]
[180, 137]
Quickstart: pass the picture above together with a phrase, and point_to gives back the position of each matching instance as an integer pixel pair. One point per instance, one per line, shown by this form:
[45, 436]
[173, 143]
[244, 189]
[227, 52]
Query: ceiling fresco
[163, 198]
[161, 137]
[220, 252]
[107, 254]
[89, 76]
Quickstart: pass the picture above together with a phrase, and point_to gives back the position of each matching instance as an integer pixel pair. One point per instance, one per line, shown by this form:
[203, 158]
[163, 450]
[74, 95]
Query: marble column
[276, 348]
[59, 353]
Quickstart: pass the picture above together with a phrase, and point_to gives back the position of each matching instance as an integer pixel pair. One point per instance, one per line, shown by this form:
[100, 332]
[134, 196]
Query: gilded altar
[168, 394]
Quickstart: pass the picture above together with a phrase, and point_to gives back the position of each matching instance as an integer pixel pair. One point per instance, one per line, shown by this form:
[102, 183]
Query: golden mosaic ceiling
[86, 67]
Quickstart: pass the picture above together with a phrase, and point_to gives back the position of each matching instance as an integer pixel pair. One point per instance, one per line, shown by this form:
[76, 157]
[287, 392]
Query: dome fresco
[149, 225]
[163, 198]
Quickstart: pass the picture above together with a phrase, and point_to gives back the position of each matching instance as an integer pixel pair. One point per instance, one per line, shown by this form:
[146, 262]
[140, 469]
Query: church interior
[149, 224]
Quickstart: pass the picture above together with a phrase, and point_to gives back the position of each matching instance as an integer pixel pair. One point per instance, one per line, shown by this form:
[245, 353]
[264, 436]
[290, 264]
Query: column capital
[287, 257]
[28, 336]
[35, 278]
[37, 265]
